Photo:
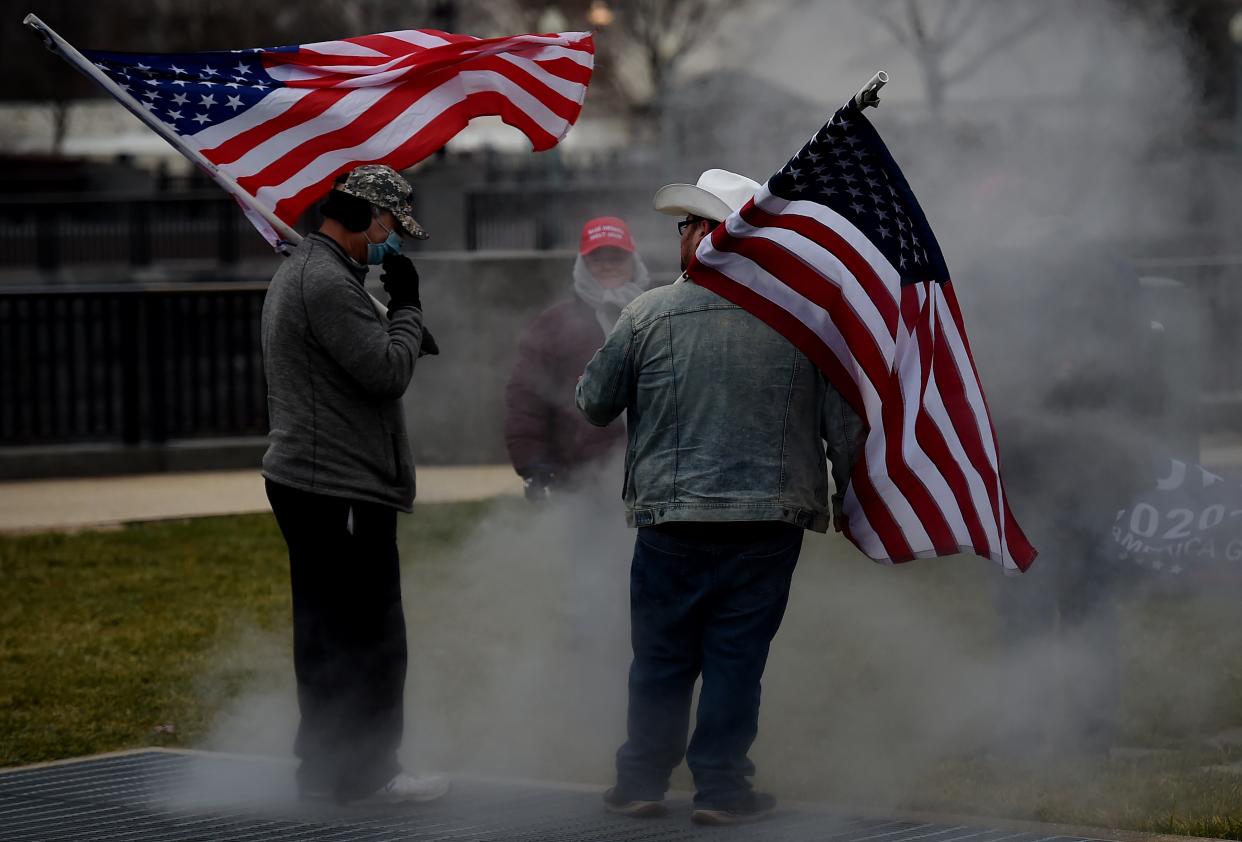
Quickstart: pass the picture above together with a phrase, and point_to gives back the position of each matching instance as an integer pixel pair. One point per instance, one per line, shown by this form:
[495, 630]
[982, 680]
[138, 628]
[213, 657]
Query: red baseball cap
[605, 231]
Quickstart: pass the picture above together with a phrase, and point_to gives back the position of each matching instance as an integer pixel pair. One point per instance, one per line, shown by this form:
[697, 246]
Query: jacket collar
[358, 270]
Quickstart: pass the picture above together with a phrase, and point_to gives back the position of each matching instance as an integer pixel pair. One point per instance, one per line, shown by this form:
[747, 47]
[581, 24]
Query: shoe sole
[721, 818]
[645, 810]
[380, 798]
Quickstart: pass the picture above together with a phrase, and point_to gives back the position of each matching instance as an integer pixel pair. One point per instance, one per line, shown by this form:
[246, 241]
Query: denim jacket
[727, 421]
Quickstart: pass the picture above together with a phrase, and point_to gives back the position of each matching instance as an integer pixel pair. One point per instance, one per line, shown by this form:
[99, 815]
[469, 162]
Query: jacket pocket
[663, 546]
[776, 548]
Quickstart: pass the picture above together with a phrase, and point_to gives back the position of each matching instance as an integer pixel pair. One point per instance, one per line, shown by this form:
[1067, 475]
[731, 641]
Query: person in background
[338, 469]
[564, 461]
[1078, 404]
[550, 445]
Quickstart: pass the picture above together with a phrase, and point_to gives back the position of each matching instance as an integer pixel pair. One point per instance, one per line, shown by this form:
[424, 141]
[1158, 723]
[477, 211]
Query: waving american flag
[283, 122]
[835, 254]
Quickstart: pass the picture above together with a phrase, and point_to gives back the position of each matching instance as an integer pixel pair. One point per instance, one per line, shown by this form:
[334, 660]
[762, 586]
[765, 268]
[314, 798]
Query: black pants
[706, 599]
[349, 650]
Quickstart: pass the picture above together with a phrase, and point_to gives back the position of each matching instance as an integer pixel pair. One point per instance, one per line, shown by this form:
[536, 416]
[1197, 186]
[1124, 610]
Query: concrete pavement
[1221, 452]
[41, 505]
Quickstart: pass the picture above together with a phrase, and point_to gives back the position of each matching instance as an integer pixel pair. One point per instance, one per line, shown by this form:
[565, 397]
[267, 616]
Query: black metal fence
[131, 364]
[49, 231]
[544, 217]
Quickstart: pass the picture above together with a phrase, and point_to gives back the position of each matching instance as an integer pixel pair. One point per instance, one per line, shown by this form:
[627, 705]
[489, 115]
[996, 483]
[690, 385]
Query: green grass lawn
[106, 636]
[874, 696]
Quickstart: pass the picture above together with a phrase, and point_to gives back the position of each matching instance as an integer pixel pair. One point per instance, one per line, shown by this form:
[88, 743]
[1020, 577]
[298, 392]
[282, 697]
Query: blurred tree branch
[996, 44]
[953, 40]
[659, 34]
[938, 47]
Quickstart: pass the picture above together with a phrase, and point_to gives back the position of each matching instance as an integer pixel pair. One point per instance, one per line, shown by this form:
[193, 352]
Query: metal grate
[166, 797]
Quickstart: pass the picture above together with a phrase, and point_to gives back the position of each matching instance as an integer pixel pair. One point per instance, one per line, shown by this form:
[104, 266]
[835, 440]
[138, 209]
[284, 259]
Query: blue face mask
[376, 252]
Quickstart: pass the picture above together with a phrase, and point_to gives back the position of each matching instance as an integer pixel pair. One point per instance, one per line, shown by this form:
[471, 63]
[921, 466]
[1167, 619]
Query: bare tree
[649, 40]
[501, 17]
[640, 50]
[34, 75]
[953, 40]
[347, 18]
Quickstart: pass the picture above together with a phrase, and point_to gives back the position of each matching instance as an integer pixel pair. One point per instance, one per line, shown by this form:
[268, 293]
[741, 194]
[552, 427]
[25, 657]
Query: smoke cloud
[1045, 175]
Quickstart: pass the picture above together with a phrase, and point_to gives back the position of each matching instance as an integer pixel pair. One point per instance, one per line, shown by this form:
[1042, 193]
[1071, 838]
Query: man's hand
[537, 482]
[400, 280]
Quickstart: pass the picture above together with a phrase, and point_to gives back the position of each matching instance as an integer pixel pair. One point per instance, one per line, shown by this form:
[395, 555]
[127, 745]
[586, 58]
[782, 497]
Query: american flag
[283, 122]
[835, 253]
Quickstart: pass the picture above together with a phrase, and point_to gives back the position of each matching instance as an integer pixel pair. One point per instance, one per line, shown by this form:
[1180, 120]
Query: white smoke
[881, 678]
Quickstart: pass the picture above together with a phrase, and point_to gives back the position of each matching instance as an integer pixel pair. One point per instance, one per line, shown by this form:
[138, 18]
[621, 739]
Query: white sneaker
[407, 787]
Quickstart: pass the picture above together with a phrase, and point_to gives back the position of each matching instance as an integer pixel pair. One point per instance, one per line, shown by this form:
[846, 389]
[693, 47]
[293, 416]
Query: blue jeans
[704, 599]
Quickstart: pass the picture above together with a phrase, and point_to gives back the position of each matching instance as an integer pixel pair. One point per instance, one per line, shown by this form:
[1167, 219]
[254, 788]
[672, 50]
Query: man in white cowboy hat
[730, 432]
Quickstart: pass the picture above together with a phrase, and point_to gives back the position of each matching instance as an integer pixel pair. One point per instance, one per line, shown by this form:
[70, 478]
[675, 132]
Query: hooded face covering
[608, 303]
[376, 252]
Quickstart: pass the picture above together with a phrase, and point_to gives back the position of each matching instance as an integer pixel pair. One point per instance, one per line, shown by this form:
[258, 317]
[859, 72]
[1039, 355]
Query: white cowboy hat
[717, 194]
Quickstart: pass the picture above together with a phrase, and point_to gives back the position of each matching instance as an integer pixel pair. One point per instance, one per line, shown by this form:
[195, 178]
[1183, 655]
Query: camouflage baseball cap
[385, 188]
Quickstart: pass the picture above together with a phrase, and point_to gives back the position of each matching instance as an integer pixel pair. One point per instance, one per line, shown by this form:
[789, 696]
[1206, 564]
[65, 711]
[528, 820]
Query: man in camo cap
[338, 469]
[385, 188]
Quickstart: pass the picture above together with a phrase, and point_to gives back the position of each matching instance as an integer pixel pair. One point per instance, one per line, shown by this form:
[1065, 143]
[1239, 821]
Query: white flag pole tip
[32, 20]
[869, 96]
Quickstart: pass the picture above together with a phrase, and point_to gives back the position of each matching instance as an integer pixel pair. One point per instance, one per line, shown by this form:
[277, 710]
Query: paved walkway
[1221, 453]
[39, 505]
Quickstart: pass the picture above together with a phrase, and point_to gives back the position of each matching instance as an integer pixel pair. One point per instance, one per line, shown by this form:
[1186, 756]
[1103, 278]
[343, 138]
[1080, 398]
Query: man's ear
[353, 213]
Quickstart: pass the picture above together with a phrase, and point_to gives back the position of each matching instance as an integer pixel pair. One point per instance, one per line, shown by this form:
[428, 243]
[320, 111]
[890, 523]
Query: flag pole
[869, 96]
[79, 62]
[250, 205]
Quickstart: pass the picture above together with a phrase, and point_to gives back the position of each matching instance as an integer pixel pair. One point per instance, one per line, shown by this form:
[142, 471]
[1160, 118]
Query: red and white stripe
[392, 98]
[927, 482]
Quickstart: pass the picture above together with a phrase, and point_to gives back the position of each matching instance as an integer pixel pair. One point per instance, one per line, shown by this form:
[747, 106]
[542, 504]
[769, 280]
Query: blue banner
[1190, 523]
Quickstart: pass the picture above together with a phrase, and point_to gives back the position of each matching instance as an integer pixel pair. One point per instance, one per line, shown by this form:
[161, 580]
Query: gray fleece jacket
[335, 376]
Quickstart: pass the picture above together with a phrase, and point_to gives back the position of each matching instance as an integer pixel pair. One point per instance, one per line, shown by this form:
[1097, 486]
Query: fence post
[155, 311]
[131, 371]
[472, 223]
[47, 238]
[545, 230]
[227, 240]
[139, 234]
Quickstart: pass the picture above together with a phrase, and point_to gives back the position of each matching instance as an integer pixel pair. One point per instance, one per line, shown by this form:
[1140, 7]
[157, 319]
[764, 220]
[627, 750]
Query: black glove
[400, 280]
[428, 348]
[537, 481]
